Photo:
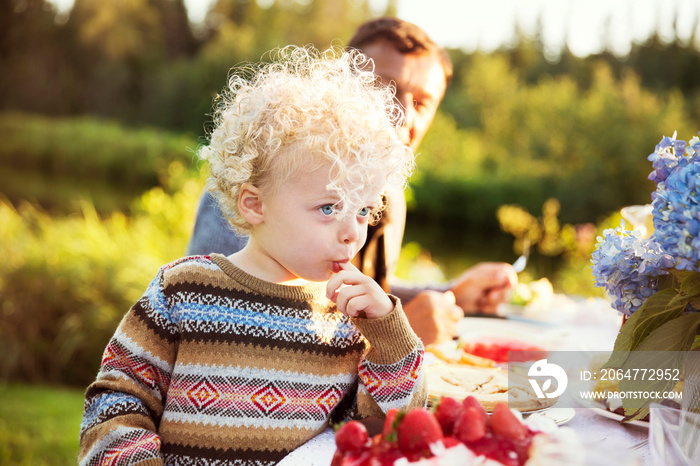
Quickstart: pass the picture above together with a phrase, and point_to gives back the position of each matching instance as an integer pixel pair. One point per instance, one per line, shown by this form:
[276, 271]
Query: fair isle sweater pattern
[213, 366]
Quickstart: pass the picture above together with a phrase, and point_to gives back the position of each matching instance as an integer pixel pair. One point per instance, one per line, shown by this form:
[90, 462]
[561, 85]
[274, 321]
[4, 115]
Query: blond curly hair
[303, 110]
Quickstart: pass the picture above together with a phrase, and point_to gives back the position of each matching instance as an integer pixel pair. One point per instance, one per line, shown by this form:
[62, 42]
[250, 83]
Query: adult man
[405, 57]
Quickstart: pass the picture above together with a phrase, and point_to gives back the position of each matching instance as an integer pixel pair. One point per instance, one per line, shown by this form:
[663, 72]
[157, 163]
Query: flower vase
[689, 425]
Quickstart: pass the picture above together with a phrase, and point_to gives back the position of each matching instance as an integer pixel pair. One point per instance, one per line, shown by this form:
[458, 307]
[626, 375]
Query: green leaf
[653, 313]
[679, 275]
[675, 335]
[665, 348]
[672, 280]
[336, 427]
[638, 408]
[690, 286]
[433, 406]
[696, 344]
[689, 289]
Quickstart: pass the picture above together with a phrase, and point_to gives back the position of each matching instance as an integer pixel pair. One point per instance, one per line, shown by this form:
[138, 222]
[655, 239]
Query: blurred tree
[120, 29]
[178, 36]
[233, 35]
[330, 21]
[244, 30]
[585, 145]
[240, 31]
[120, 46]
[6, 20]
[33, 52]
[135, 29]
[672, 65]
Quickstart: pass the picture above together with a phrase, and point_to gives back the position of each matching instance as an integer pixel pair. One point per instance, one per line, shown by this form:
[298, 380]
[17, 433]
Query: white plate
[558, 415]
[474, 328]
[496, 326]
[559, 308]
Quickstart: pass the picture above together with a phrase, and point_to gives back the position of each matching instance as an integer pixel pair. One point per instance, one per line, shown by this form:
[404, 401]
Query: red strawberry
[351, 436]
[503, 423]
[471, 401]
[337, 458]
[447, 413]
[417, 429]
[450, 442]
[470, 426]
[389, 422]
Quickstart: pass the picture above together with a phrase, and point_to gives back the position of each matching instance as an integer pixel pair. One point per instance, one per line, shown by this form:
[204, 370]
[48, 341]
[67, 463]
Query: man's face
[420, 86]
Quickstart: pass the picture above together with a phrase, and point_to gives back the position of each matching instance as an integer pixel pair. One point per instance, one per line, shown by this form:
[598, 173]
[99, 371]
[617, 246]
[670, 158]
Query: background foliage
[102, 110]
[66, 281]
[39, 425]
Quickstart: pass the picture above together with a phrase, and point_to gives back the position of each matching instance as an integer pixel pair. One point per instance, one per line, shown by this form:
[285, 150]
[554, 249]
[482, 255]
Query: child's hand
[356, 294]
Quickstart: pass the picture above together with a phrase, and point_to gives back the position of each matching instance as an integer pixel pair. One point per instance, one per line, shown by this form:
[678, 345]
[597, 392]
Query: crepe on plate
[488, 385]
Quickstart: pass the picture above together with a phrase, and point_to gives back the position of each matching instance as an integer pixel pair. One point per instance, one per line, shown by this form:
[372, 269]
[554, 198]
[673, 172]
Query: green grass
[39, 425]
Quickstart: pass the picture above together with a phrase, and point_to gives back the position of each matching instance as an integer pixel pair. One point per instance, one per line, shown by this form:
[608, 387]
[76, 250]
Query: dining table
[576, 324]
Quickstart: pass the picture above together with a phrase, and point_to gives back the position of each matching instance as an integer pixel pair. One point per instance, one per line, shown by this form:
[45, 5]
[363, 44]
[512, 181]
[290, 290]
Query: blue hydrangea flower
[676, 210]
[665, 157]
[628, 267]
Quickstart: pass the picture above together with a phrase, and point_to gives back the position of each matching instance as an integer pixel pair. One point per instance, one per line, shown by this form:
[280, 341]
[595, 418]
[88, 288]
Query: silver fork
[521, 262]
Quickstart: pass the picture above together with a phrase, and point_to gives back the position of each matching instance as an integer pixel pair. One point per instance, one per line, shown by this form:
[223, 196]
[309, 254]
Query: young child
[241, 359]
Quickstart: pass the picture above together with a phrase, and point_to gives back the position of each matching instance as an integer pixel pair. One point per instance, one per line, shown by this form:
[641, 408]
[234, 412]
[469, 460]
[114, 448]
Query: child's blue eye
[364, 212]
[327, 209]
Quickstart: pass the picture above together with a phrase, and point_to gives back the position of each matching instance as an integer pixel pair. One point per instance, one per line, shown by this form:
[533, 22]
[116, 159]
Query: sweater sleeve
[124, 405]
[391, 372]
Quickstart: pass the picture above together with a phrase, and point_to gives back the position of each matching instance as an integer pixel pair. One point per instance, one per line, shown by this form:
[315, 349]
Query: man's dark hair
[404, 36]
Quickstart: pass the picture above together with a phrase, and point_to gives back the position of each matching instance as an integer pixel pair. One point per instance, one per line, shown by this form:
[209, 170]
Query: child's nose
[350, 231]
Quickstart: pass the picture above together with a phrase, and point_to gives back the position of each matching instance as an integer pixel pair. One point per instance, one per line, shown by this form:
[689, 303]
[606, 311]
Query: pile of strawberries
[502, 349]
[500, 437]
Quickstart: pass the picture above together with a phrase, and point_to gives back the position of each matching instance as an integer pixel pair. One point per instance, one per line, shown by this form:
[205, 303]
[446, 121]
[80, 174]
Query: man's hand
[483, 287]
[433, 316]
[356, 294]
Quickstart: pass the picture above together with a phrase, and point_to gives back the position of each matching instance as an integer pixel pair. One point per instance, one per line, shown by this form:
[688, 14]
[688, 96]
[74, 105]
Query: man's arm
[433, 311]
[212, 232]
[484, 286]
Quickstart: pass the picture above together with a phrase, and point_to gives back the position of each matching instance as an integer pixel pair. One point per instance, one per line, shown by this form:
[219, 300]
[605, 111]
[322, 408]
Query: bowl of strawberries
[452, 433]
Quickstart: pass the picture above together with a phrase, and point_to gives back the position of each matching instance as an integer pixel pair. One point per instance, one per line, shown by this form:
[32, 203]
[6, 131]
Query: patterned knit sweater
[214, 366]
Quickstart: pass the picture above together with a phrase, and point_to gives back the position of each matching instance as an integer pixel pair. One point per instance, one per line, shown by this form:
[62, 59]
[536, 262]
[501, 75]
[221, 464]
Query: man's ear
[250, 204]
